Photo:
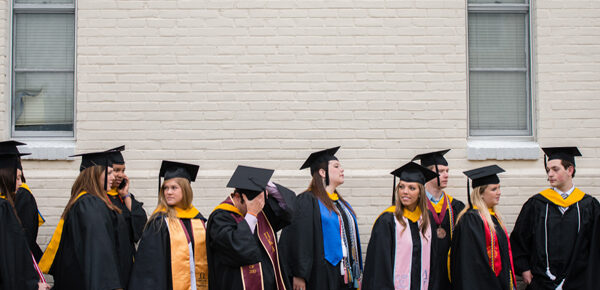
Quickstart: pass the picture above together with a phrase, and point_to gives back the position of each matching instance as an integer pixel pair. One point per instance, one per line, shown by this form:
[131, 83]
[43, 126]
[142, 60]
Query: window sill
[48, 149]
[502, 150]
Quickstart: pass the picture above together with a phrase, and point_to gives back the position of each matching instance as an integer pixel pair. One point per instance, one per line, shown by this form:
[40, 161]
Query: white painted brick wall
[264, 83]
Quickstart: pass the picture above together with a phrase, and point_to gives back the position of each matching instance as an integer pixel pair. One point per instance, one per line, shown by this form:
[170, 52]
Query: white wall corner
[48, 149]
[502, 150]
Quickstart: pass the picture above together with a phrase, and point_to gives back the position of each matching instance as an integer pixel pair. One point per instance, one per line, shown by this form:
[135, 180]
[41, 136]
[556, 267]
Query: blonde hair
[477, 200]
[421, 203]
[186, 200]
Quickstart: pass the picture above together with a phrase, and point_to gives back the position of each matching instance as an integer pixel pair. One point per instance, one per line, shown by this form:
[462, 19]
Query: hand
[43, 286]
[299, 284]
[256, 205]
[527, 277]
[125, 190]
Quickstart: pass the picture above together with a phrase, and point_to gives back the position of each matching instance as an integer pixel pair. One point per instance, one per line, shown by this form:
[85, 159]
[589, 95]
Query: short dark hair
[566, 164]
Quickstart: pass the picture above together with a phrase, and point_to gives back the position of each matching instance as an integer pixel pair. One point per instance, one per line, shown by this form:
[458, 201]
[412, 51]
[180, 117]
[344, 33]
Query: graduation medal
[441, 233]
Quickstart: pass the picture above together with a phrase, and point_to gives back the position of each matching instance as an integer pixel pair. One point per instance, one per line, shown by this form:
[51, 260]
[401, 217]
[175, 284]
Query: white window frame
[17, 8]
[518, 135]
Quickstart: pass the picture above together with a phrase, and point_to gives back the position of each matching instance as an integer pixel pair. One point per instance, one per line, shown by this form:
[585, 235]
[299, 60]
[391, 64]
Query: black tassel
[105, 177]
[469, 194]
[394, 192]
[326, 177]
[438, 172]
[545, 163]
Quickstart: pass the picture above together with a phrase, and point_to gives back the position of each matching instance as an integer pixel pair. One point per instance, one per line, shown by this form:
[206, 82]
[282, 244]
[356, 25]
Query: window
[500, 102]
[43, 68]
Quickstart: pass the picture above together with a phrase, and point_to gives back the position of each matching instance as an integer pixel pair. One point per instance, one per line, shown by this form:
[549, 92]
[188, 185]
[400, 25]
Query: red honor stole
[493, 251]
[252, 274]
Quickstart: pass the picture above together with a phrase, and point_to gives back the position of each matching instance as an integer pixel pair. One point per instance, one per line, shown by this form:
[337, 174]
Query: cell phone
[123, 183]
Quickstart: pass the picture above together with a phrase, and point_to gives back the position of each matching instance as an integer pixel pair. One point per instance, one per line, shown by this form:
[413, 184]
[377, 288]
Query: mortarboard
[10, 147]
[90, 159]
[316, 158]
[412, 172]
[172, 169]
[563, 153]
[250, 180]
[116, 156]
[482, 176]
[433, 158]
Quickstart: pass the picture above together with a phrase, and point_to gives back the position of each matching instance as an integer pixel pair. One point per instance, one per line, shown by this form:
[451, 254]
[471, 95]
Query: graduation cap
[172, 169]
[319, 157]
[10, 147]
[250, 181]
[102, 158]
[116, 156]
[9, 161]
[562, 153]
[433, 158]
[412, 172]
[482, 176]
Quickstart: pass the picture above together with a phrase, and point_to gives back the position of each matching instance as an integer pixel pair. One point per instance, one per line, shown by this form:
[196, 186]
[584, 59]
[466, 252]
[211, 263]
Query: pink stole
[252, 277]
[403, 256]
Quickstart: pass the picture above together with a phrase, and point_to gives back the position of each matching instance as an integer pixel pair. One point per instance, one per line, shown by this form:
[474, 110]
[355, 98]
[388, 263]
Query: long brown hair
[421, 203]
[317, 187]
[89, 181]
[186, 200]
[8, 183]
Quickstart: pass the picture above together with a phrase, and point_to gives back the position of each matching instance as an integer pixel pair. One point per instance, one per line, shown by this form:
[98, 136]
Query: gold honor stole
[50, 253]
[41, 219]
[557, 199]
[252, 274]
[181, 250]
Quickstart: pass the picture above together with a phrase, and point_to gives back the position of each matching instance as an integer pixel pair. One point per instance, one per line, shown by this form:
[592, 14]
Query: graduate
[552, 235]
[480, 255]
[133, 216]
[83, 252]
[172, 251]
[399, 254]
[25, 203]
[322, 245]
[16, 261]
[443, 209]
[242, 241]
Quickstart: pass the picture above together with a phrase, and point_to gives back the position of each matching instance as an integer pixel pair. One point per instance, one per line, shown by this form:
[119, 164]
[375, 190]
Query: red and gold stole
[252, 278]
[181, 250]
[493, 250]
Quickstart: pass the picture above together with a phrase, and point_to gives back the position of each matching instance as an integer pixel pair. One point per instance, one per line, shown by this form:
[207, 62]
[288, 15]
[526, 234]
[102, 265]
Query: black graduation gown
[129, 229]
[469, 264]
[16, 265]
[568, 250]
[27, 211]
[152, 267]
[87, 257]
[380, 260]
[594, 258]
[301, 245]
[439, 266]
[232, 245]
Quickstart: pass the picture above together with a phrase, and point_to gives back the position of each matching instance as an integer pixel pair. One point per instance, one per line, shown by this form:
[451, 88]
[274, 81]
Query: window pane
[498, 101]
[44, 1]
[498, 1]
[44, 41]
[43, 101]
[497, 40]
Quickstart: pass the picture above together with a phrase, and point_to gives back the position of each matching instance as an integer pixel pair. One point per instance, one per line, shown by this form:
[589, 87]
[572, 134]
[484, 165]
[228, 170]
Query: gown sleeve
[469, 261]
[138, 219]
[16, 265]
[92, 223]
[280, 210]
[522, 236]
[152, 260]
[231, 242]
[379, 264]
[594, 258]
[299, 238]
[27, 211]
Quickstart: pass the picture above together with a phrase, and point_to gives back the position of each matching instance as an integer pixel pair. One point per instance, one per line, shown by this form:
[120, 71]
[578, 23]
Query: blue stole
[332, 239]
